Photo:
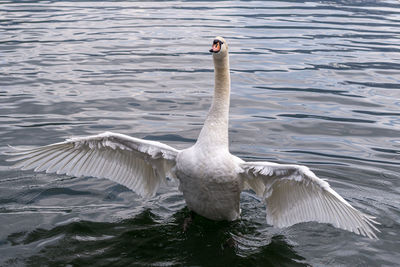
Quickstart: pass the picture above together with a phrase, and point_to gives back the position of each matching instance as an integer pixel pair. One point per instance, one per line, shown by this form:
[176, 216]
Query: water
[314, 83]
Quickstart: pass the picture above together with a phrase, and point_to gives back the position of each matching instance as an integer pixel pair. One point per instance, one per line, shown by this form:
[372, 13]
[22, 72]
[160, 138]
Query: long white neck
[215, 130]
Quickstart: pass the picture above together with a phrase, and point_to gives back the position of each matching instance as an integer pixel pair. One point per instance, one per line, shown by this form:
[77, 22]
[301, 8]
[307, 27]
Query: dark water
[315, 83]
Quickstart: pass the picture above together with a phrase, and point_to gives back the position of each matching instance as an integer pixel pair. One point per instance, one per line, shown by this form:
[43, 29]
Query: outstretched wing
[140, 165]
[294, 194]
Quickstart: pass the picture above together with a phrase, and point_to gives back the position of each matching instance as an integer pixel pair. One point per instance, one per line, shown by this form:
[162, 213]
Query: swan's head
[219, 47]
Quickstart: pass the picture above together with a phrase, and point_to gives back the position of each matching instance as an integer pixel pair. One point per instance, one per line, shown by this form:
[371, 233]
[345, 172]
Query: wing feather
[141, 165]
[67, 160]
[294, 194]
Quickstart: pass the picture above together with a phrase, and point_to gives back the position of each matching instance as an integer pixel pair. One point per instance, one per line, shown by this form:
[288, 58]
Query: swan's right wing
[294, 194]
[140, 165]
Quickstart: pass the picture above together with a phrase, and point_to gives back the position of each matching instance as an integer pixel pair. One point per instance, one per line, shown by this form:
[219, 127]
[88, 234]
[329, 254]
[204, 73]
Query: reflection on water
[145, 239]
[313, 83]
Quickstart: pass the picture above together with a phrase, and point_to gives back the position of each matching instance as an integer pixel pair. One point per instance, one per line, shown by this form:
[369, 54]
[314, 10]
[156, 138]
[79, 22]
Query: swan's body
[210, 178]
[210, 182]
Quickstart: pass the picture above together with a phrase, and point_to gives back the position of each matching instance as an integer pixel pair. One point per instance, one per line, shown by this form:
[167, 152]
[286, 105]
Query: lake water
[314, 83]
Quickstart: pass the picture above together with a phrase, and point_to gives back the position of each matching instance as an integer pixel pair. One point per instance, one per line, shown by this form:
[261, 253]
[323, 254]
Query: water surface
[313, 82]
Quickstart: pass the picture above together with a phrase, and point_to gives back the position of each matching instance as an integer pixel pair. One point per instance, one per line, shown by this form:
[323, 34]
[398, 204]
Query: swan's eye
[216, 47]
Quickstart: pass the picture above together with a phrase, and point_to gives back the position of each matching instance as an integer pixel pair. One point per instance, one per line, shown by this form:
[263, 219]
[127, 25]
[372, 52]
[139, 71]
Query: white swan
[210, 178]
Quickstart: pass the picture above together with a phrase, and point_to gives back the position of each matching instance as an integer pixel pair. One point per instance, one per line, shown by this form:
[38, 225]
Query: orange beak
[215, 47]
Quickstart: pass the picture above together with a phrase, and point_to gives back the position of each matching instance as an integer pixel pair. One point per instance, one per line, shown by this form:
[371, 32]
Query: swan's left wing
[141, 165]
[294, 194]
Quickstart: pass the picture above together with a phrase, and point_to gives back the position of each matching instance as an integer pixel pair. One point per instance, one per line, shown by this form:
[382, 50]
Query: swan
[210, 177]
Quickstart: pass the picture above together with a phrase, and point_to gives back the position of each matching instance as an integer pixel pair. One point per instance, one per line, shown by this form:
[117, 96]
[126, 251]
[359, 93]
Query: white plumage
[140, 165]
[210, 178]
